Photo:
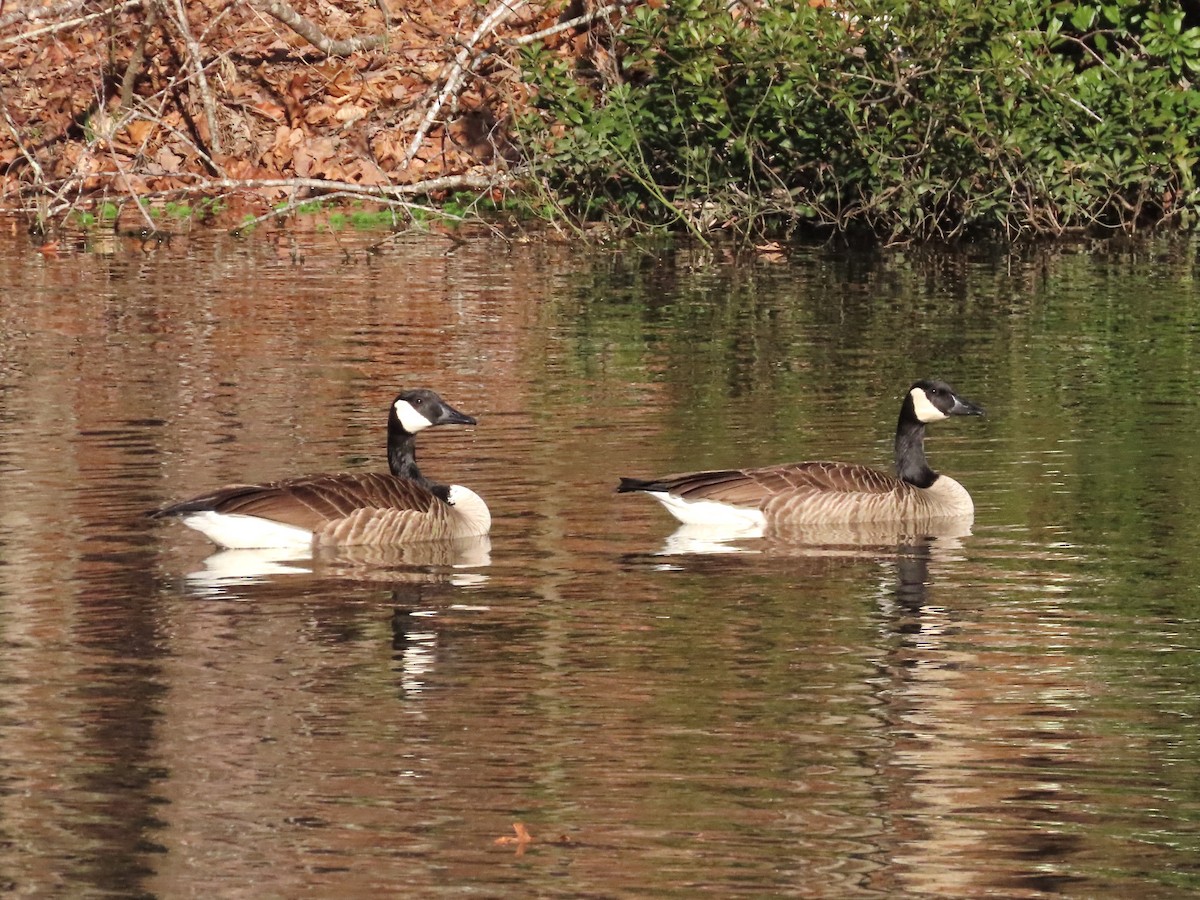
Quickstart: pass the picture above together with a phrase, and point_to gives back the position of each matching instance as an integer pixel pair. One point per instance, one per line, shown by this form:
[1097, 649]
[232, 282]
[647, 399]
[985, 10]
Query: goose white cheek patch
[411, 420]
[925, 410]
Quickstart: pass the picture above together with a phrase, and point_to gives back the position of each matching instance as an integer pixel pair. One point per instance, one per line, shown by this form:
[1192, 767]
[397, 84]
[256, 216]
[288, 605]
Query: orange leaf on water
[522, 838]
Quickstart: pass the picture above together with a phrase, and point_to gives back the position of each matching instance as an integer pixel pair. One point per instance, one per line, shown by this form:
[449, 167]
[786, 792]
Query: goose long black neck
[402, 458]
[402, 451]
[910, 448]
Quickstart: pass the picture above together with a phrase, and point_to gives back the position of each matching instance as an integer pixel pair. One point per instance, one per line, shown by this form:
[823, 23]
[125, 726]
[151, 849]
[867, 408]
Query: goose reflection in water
[448, 561]
[839, 538]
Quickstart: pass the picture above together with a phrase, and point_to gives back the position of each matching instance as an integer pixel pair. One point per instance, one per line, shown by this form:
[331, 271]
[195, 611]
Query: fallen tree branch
[319, 186]
[416, 189]
[70, 23]
[206, 98]
[29, 158]
[139, 202]
[295, 203]
[279, 10]
[38, 13]
[458, 72]
[137, 58]
[585, 19]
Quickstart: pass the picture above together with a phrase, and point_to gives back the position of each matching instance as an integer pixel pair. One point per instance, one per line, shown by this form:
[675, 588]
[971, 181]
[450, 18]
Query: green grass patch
[101, 215]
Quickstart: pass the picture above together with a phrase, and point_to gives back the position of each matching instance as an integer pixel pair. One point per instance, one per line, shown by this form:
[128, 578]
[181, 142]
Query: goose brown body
[373, 508]
[812, 493]
[809, 493]
[368, 508]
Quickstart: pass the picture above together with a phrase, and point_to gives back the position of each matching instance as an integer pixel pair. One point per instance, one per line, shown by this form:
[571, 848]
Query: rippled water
[1006, 712]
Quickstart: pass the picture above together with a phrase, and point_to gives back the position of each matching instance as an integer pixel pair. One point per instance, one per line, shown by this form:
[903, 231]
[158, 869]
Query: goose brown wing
[838, 478]
[757, 487]
[311, 502]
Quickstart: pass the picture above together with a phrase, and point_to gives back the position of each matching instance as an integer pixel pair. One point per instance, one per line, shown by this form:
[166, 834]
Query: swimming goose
[348, 509]
[816, 493]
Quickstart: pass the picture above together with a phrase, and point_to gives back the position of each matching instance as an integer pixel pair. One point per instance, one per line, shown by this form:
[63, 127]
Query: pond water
[1011, 711]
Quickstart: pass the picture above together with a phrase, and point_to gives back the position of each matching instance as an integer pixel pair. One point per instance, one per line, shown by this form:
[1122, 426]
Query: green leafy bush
[901, 120]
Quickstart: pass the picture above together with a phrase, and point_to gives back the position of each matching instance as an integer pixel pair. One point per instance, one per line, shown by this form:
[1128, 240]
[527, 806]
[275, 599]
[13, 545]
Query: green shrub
[901, 120]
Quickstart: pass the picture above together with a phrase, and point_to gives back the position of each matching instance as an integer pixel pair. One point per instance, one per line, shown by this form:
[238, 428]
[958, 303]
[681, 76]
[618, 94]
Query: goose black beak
[451, 416]
[965, 408]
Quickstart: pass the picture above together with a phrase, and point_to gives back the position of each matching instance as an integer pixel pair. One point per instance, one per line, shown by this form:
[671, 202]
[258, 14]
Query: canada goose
[347, 509]
[816, 493]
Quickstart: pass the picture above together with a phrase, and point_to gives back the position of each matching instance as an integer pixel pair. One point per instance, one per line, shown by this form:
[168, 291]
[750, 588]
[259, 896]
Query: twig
[33, 163]
[458, 72]
[295, 203]
[585, 19]
[132, 194]
[159, 122]
[393, 191]
[278, 9]
[70, 23]
[137, 57]
[157, 117]
[390, 194]
[40, 13]
[416, 189]
[387, 20]
[206, 98]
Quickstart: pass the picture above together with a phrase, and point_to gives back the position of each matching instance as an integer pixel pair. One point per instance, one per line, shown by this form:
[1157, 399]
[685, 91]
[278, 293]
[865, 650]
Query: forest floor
[238, 107]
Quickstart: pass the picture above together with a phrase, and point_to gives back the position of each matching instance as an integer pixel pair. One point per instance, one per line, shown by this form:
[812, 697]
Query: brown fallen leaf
[294, 97]
[522, 839]
[138, 132]
[772, 251]
[273, 99]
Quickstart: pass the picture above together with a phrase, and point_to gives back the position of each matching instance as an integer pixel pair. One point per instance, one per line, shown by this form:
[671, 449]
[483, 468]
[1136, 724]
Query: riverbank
[141, 111]
[766, 121]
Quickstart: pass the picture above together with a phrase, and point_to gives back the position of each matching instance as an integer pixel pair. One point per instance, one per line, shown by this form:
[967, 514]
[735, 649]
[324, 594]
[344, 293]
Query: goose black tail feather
[629, 485]
[205, 502]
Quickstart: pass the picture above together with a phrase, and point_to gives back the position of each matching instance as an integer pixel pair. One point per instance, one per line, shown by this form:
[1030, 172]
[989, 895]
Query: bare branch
[458, 72]
[585, 19]
[70, 23]
[138, 201]
[295, 203]
[206, 98]
[37, 13]
[416, 189]
[33, 163]
[392, 195]
[137, 58]
[280, 10]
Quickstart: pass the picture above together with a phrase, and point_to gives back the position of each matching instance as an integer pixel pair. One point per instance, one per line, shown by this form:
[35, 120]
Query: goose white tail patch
[411, 420]
[236, 532]
[469, 507]
[710, 513]
[926, 411]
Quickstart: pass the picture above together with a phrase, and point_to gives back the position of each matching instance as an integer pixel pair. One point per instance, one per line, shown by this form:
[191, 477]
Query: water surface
[1009, 711]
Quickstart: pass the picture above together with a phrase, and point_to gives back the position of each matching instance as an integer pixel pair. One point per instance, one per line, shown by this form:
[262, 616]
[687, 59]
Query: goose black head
[421, 408]
[933, 401]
